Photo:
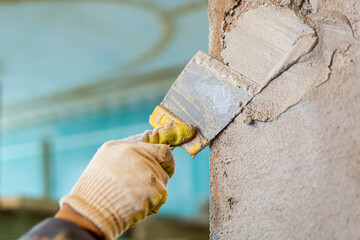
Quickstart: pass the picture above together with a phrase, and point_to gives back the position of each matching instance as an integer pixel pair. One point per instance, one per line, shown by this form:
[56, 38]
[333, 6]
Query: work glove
[126, 179]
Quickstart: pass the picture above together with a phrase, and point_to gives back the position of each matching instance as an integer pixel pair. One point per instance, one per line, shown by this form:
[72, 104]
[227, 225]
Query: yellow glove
[173, 134]
[126, 182]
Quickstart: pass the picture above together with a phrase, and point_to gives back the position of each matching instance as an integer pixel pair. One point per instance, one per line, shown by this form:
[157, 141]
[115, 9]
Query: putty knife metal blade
[208, 95]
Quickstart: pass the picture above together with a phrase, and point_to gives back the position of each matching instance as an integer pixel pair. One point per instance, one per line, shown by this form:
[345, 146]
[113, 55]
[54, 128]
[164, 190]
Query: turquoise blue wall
[72, 144]
[58, 56]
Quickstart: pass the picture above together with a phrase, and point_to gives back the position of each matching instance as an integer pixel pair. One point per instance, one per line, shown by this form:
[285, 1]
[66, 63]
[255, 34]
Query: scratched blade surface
[208, 94]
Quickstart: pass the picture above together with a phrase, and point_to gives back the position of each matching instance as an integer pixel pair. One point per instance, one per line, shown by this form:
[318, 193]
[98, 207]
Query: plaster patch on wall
[309, 72]
[267, 40]
[274, 43]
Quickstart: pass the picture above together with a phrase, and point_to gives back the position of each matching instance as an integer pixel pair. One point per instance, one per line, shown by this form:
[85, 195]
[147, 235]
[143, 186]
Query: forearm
[57, 228]
[67, 213]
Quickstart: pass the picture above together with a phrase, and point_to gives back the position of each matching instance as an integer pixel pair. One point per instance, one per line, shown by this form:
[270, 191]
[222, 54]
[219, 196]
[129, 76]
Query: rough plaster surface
[295, 172]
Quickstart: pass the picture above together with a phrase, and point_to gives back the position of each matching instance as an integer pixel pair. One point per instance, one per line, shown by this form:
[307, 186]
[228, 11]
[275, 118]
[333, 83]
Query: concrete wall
[288, 166]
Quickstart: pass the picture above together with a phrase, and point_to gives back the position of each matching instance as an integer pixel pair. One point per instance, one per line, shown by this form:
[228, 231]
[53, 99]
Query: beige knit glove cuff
[122, 185]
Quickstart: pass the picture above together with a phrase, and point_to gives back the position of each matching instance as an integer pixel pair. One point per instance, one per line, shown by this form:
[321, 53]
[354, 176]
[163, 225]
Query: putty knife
[208, 95]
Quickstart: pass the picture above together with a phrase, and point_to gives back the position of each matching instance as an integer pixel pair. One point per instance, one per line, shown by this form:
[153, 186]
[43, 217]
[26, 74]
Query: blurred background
[75, 74]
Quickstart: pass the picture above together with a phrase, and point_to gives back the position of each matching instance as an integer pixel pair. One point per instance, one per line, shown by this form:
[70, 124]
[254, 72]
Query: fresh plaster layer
[300, 76]
[266, 41]
[293, 173]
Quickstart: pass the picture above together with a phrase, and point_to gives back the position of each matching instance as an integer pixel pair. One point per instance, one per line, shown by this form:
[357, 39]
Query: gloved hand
[126, 182]
[173, 134]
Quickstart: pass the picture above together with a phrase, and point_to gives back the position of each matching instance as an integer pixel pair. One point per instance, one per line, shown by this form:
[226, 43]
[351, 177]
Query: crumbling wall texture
[288, 166]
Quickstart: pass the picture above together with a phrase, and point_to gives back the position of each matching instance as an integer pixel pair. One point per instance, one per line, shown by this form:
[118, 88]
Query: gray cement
[295, 172]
